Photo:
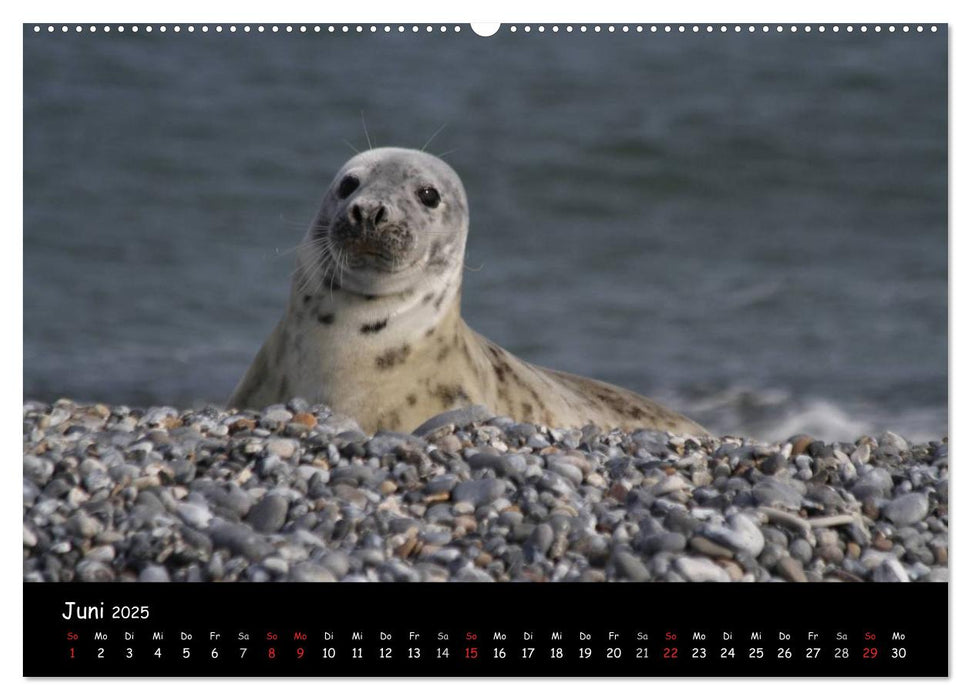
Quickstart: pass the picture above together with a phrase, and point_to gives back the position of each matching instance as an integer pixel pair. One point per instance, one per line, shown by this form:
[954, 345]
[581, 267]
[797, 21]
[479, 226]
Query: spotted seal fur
[373, 327]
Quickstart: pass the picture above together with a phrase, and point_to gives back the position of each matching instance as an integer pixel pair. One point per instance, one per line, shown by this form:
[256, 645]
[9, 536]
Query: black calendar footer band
[512, 629]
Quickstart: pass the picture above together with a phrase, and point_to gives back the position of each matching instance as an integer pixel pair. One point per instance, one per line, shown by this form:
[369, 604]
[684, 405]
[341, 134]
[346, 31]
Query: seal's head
[391, 217]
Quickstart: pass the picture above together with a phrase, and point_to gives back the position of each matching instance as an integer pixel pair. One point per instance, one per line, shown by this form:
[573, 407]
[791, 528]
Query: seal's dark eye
[348, 185]
[429, 197]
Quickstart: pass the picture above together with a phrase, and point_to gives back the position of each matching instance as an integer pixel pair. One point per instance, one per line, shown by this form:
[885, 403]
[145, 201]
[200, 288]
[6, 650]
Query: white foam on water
[774, 415]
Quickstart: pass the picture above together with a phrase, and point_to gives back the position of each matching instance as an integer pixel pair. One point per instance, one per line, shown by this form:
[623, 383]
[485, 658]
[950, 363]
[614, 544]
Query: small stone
[631, 567]
[459, 417]
[876, 482]
[93, 571]
[890, 571]
[239, 539]
[800, 443]
[670, 484]
[742, 535]
[194, 515]
[338, 563]
[478, 491]
[791, 570]
[801, 550]
[699, 569]
[269, 514]
[907, 509]
[539, 541]
[308, 572]
[861, 455]
[894, 442]
[284, 448]
[37, 469]
[276, 566]
[83, 525]
[30, 539]
[777, 494]
[153, 574]
[705, 546]
[663, 542]
[565, 469]
[307, 419]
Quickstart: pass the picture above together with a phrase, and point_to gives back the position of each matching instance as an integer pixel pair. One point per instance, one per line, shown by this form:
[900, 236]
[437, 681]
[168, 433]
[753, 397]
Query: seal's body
[373, 325]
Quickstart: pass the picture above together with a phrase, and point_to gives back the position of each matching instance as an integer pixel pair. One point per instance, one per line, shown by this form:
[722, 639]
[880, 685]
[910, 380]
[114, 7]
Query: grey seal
[373, 325]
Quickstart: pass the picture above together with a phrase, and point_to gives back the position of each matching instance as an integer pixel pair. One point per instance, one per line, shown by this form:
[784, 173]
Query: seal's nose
[372, 213]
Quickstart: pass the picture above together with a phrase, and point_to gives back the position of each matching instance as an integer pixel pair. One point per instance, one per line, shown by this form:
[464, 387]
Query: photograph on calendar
[583, 303]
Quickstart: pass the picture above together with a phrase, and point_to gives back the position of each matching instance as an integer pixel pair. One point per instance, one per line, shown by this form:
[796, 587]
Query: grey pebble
[284, 448]
[801, 550]
[741, 535]
[239, 539]
[153, 574]
[195, 515]
[631, 567]
[269, 514]
[890, 571]
[907, 509]
[458, 417]
[479, 491]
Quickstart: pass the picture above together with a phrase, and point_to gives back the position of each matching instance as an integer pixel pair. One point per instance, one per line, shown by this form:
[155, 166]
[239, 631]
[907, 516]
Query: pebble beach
[297, 493]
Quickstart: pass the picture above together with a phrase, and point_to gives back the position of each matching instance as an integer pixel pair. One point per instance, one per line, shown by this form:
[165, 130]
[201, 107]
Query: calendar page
[358, 350]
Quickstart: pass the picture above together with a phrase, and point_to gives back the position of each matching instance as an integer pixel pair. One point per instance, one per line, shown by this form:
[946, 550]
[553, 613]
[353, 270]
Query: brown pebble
[464, 524]
[712, 549]
[791, 570]
[242, 424]
[307, 419]
[853, 550]
[800, 443]
[437, 497]
[830, 553]
[483, 559]
[870, 509]
[618, 492]
[406, 547]
[882, 543]
[388, 487]
[172, 422]
[450, 443]
[940, 555]
[743, 468]
[735, 572]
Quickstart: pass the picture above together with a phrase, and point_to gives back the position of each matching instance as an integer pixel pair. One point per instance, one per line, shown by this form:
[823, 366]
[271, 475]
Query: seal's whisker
[350, 145]
[366, 135]
[432, 137]
[311, 275]
[442, 155]
[301, 246]
[341, 260]
[314, 273]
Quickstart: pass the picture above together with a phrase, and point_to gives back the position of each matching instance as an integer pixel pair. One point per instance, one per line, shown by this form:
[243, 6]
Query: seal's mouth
[386, 248]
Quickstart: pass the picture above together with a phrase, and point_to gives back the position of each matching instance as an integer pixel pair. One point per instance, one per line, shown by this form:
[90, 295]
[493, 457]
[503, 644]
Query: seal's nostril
[355, 214]
[380, 214]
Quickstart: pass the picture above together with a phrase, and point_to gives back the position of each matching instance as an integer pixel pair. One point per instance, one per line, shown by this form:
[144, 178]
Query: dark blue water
[751, 228]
